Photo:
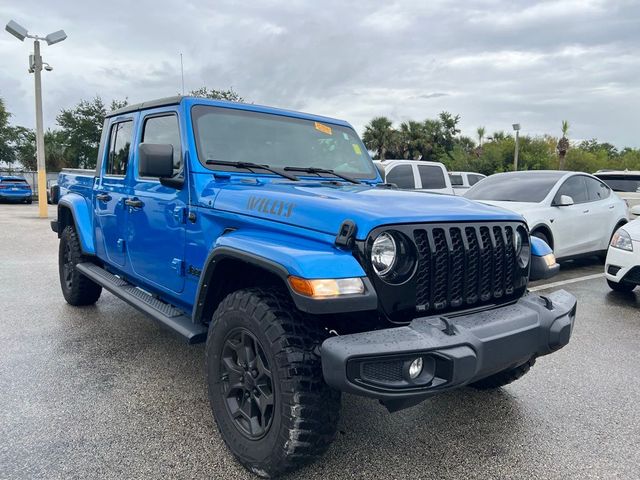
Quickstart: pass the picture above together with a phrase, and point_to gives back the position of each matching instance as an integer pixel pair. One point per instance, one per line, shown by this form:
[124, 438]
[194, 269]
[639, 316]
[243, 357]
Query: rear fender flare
[74, 210]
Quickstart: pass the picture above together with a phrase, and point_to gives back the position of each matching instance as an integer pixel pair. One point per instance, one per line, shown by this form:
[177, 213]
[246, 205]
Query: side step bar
[155, 308]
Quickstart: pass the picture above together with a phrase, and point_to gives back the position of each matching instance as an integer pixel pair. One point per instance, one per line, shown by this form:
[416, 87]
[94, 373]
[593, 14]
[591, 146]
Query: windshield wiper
[321, 170]
[250, 166]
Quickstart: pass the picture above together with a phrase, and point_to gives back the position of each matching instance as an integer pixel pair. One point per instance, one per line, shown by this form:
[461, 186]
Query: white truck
[416, 175]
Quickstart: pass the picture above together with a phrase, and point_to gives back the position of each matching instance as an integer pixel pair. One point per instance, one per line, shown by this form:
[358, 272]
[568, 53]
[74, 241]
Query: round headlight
[517, 242]
[383, 253]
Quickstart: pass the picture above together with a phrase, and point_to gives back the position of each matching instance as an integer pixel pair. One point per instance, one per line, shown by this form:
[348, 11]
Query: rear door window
[402, 176]
[473, 179]
[432, 176]
[456, 180]
[596, 190]
[119, 147]
[575, 188]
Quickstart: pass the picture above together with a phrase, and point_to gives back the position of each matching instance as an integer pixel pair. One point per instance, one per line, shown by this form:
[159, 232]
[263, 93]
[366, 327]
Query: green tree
[378, 136]
[7, 136]
[480, 131]
[231, 95]
[81, 128]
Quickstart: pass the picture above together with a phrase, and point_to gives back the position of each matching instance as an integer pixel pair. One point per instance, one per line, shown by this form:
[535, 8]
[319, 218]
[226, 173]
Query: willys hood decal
[324, 207]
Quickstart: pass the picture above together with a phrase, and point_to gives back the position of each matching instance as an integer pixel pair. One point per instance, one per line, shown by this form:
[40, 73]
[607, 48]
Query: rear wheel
[266, 389]
[621, 286]
[29, 201]
[503, 378]
[77, 289]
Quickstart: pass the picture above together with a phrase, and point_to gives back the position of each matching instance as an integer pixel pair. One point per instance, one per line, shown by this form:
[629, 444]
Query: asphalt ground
[103, 392]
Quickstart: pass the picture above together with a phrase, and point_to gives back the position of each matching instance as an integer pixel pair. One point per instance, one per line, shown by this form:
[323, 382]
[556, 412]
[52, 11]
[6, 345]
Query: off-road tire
[305, 410]
[621, 287]
[77, 289]
[503, 378]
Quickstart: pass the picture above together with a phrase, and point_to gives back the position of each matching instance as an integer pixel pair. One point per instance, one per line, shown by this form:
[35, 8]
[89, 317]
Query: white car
[622, 267]
[462, 181]
[416, 175]
[575, 213]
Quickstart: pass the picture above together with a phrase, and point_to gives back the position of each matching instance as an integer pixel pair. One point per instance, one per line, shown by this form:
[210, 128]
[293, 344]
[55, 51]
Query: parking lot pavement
[103, 392]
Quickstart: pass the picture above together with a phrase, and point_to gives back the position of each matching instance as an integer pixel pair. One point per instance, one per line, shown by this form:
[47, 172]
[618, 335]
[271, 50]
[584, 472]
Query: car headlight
[517, 242]
[383, 253]
[622, 240]
[522, 246]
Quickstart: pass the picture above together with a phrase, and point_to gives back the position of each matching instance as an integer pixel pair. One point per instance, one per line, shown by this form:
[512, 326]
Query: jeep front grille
[459, 266]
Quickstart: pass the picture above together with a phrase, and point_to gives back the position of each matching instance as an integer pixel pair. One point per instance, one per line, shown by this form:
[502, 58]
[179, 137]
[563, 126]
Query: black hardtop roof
[160, 102]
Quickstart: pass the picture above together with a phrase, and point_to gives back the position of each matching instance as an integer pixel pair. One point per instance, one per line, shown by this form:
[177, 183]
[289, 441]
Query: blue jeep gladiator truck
[270, 235]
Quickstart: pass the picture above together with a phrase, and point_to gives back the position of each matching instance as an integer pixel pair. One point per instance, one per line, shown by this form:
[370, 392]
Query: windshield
[514, 187]
[622, 183]
[277, 141]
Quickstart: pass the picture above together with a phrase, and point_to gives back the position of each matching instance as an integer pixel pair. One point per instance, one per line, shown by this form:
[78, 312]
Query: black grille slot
[385, 371]
[463, 266]
[440, 269]
[423, 274]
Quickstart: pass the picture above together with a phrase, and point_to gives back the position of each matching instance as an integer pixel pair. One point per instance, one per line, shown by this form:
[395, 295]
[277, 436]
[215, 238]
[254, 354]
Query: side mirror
[635, 210]
[543, 261]
[155, 160]
[565, 201]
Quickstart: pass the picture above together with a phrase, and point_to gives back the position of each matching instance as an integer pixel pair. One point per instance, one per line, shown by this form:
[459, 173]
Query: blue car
[270, 235]
[15, 189]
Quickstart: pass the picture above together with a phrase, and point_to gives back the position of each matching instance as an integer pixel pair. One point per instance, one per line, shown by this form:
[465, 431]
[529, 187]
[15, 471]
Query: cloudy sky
[494, 62]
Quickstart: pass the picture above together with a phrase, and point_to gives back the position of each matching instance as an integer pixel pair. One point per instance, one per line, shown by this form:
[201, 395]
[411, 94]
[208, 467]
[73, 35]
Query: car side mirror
[155, 160]
[565, 201]
[635, 210]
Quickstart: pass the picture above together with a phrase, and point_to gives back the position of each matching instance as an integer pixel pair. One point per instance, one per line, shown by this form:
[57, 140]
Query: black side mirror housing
[155, 160]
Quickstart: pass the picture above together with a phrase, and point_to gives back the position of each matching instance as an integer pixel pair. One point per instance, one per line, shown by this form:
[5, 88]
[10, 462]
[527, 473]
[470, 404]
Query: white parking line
[566, 282]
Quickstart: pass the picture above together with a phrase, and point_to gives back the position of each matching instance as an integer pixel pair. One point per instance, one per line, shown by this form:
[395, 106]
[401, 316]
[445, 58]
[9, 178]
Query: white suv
[416, 175]
[626, 184]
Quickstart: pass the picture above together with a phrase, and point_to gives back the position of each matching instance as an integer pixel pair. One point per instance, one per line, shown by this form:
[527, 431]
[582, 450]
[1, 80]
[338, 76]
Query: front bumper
[456, 350]
[623, 265]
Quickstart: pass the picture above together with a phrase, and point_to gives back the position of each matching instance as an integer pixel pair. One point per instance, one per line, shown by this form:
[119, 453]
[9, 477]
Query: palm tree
[481, 131]
[563, 144]
[378, 136]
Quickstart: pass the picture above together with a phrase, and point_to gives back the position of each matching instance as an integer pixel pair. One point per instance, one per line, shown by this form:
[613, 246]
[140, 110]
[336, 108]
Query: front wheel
[621, 286]
[503, 378]
[77, 289]
[270, 402]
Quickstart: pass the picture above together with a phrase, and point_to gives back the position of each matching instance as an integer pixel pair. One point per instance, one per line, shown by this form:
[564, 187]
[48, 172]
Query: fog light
[415, 369]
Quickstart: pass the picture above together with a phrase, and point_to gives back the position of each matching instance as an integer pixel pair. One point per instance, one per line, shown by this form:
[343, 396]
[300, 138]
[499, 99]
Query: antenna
[182, 73]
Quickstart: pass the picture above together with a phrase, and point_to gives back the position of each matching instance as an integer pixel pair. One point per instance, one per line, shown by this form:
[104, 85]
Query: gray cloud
[494, 62]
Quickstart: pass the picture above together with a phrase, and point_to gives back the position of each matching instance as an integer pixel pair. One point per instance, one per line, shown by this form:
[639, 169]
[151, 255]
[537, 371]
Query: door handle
[133, 203]
[103, 197]
[585, 211]
[611, 207]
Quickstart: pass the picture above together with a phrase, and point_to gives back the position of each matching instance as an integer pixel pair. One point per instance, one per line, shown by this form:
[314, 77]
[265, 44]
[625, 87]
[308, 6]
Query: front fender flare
[277, 254]
[80, 214]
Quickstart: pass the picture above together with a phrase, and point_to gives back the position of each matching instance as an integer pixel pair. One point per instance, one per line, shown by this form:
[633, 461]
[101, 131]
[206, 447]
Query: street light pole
[35, 67]
[42, 168]
[516, 127]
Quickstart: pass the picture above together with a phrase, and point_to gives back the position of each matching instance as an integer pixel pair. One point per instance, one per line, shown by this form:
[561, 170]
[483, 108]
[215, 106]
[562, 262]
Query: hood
[323, 207]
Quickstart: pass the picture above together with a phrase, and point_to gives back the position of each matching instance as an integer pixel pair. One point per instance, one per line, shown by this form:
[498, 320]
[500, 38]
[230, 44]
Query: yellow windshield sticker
[323, 128]
[356, 148]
